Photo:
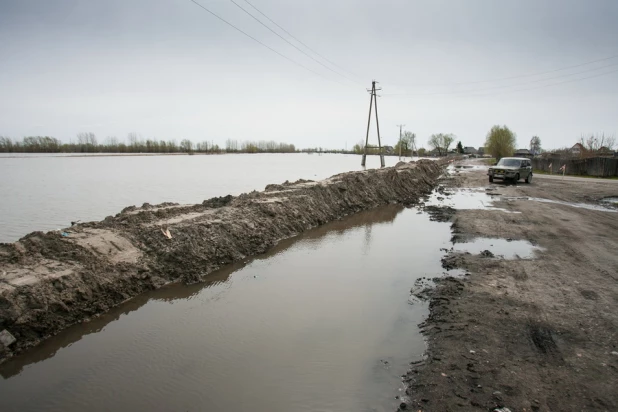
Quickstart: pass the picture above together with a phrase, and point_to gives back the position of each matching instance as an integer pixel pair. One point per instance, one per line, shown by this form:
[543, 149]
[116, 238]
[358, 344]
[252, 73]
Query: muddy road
[527, 333]
[49, 281]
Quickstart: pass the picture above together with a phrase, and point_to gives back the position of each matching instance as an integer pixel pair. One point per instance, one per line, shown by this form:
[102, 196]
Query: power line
[290, 43]
[296, 38]
[541, 73]
[518, 76]
[507, 86]
[549, 85]
[263, 44]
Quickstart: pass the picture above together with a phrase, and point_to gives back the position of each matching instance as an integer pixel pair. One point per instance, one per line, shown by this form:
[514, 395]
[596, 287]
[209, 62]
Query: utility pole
[400, 126]
[373, 98]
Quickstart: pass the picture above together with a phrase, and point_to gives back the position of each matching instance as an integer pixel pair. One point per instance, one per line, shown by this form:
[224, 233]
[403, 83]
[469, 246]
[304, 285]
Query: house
[480, 151]
[605, 151]
[578, 149]
[470, 150]
[388, 150]
[523, 153]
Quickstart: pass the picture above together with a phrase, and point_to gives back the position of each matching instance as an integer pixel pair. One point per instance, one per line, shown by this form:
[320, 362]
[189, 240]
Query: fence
[592, 166]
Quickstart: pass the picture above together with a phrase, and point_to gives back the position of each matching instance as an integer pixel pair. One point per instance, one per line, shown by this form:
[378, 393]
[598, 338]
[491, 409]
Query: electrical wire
[548, 85]
[290, 43]
[503, 87]
[261, 43]
[525, 75]
[298, 40]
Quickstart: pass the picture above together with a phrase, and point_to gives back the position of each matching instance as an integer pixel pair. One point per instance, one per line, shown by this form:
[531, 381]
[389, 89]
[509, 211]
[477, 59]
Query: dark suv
[511, 168]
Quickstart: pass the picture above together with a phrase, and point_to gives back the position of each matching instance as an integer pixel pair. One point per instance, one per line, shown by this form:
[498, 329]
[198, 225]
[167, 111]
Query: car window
[509, 162]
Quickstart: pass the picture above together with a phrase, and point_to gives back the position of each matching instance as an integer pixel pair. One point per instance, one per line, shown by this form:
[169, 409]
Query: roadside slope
[52, 280]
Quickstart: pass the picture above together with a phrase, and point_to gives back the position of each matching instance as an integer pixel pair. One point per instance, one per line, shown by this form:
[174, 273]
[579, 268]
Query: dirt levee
[49, 281]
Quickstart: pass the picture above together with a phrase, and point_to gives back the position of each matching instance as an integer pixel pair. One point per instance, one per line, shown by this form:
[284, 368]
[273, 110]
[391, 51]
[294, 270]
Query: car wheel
[529, 178]
[491, 179]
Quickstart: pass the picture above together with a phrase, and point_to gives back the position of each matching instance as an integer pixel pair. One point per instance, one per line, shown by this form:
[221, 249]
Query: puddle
[465, 168]
[321, 322]
[464, 199]
[509, 249]
[559, 202]
[612, 201]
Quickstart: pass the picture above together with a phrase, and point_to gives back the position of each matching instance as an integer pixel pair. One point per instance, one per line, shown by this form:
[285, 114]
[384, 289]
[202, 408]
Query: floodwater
[466, 198]
[506, 248]
[320, 323]
[48, 192]
[604, 207]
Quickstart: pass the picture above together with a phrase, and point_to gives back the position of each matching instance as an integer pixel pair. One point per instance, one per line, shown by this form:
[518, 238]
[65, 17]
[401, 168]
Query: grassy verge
[541, 172]
[489, 162]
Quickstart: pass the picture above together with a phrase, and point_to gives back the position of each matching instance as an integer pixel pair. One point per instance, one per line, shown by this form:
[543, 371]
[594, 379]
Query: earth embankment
[52, 280]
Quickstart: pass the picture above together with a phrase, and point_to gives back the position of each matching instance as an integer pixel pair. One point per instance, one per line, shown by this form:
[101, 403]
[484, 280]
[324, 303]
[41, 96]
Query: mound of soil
[52, 280]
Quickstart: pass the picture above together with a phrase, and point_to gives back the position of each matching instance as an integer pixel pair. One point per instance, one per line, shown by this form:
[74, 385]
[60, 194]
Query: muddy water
[505, 248]
[321, 323]
[48, 192]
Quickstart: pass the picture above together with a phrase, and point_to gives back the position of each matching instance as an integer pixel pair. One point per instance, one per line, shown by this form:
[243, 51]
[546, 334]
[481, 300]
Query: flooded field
[320, 323]
[48, 192]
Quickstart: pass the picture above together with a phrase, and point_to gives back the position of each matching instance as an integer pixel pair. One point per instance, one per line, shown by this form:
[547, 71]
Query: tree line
[88, 143]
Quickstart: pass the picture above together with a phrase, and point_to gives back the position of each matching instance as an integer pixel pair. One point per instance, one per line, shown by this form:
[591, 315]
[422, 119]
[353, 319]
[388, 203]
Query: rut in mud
[52, 280]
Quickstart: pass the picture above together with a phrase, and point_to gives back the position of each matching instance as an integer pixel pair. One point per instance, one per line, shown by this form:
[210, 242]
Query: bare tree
[594, 143]
[441, 142]
[535, 145]
[186, 145]
[132, 139]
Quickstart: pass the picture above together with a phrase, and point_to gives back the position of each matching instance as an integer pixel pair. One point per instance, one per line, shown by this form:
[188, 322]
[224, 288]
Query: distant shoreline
[25, 155]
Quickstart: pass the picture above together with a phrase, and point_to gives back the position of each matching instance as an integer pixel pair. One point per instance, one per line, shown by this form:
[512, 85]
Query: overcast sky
[168, 69]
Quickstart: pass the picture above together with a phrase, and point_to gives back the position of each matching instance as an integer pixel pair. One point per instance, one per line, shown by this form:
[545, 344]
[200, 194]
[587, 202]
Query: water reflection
[321, 322]
[174, 292]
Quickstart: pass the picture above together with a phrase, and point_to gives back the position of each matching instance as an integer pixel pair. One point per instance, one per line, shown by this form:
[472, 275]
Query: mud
[524, 331]
[52, 280]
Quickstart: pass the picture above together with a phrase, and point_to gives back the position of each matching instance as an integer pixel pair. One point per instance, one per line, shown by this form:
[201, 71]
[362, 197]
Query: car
[511, 168]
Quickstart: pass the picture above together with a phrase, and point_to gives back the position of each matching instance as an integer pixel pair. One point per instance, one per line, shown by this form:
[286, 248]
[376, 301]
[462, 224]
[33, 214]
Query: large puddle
[604, 207]
[460, 199]
[321, 323]
[504, 248]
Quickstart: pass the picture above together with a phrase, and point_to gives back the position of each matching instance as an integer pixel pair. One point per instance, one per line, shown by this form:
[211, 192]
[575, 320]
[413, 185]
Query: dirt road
[536, 334]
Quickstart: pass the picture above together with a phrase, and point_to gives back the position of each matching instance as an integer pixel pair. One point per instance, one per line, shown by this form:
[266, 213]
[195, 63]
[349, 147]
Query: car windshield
[509, 162]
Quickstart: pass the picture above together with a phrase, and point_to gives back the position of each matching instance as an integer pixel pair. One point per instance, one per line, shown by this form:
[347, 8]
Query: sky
[168, 69]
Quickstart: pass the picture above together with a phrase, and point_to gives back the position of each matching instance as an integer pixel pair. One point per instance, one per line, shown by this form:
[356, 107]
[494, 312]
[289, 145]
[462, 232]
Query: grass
[541, 172]
[489, 162]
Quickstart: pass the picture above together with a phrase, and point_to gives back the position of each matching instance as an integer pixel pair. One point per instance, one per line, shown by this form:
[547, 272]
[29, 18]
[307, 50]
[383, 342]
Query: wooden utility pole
[400, 126]
[374, 97]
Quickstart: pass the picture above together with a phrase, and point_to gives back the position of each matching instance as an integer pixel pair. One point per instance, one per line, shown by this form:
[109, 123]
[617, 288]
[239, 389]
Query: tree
[500, 142]
[358, 147]
[441, 142]
[407, 143]
[87, 141]
[459, 147]
[408, 140]
[422, 151]
[535, 145]
[186, 145]
[595, 142]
